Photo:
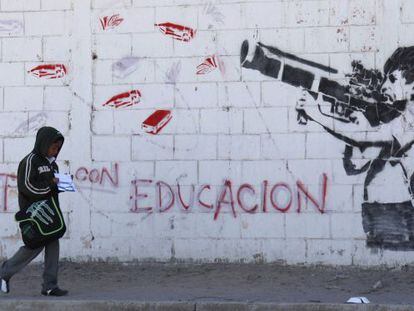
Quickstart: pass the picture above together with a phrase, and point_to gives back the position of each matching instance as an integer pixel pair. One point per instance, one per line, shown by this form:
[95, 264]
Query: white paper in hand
[65, 182]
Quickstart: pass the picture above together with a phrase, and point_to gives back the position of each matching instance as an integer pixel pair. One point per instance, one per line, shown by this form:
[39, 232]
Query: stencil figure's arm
[310, 108]
[349, 163]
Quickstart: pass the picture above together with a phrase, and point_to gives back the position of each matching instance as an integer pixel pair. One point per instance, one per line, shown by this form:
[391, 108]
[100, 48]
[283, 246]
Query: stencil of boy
[388, 223]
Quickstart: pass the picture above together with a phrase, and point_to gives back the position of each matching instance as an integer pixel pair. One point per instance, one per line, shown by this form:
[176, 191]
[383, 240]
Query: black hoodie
[36, 172]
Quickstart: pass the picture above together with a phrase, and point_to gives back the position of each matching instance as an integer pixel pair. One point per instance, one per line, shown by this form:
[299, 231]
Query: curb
[95, 305]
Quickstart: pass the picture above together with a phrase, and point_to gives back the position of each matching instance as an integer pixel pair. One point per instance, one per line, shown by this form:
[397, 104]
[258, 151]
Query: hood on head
[45, 137]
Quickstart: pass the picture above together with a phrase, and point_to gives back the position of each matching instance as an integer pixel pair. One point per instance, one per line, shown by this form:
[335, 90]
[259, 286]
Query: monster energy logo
[38, 210]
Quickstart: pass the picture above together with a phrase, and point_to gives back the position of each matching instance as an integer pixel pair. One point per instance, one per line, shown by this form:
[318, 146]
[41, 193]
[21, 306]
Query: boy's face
[54, 149]
[396, 88]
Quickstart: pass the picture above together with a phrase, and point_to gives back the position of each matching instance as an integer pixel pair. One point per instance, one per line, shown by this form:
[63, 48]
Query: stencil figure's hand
[302, 107]
[301, 117]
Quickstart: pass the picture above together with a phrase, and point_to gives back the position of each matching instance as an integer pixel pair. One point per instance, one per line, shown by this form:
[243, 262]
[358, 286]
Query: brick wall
[232, 176]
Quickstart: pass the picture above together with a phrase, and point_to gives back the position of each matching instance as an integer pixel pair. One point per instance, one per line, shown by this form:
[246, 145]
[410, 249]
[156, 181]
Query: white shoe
[4, 286]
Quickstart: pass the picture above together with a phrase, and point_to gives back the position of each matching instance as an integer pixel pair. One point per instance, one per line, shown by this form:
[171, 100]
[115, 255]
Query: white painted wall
[232, 124]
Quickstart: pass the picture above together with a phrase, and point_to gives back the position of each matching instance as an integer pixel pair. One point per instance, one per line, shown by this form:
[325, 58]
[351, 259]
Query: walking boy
[35, 182]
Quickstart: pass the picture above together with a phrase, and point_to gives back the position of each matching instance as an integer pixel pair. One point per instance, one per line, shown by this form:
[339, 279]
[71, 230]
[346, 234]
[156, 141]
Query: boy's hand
[301, 107]
[55, 180]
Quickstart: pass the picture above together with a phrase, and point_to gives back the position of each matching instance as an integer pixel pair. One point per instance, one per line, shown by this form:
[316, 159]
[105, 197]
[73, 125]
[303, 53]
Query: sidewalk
[153, 286]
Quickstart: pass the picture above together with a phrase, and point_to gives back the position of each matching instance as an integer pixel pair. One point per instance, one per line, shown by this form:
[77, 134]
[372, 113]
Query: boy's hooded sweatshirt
[36, 172]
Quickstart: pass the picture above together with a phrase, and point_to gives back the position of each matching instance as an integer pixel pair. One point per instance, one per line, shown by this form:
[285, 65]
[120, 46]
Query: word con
[228, 196]
[96, 176]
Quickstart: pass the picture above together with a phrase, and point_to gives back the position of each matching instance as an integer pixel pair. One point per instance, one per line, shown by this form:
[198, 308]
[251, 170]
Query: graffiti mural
[173, 73]
[11, 26]
[8, 186]
[208, 65]
[111, 22]
[125, 66]
[211, 10]
[156, 121]
[32, 125]
[372, 100]
[177, 32]
[49, 71]
[125, 99]
[101, 177]
[249, 199]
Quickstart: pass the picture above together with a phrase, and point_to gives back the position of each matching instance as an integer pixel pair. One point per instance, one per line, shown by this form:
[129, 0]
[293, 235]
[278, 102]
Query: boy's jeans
[25, 255]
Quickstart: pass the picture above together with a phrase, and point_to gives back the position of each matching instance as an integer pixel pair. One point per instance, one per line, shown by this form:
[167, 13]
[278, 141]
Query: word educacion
[279, 196]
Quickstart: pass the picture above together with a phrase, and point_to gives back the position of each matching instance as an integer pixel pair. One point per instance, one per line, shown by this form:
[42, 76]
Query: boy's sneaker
[4, 286]
[55, 292]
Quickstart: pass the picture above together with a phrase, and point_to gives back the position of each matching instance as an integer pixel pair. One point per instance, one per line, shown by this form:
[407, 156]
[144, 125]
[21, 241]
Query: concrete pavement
[90, 305]
[205, 287]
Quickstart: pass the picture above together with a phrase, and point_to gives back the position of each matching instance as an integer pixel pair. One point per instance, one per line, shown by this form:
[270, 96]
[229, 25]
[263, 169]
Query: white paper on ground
[358, 300]
[65, 182]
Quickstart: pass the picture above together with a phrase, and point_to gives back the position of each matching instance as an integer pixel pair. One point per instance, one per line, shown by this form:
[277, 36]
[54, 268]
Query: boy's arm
[56, 170]
[349, 165]
[29, 183]
[308, 110]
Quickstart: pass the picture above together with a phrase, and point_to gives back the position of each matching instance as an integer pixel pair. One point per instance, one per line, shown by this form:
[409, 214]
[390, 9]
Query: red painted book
[157, 121]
